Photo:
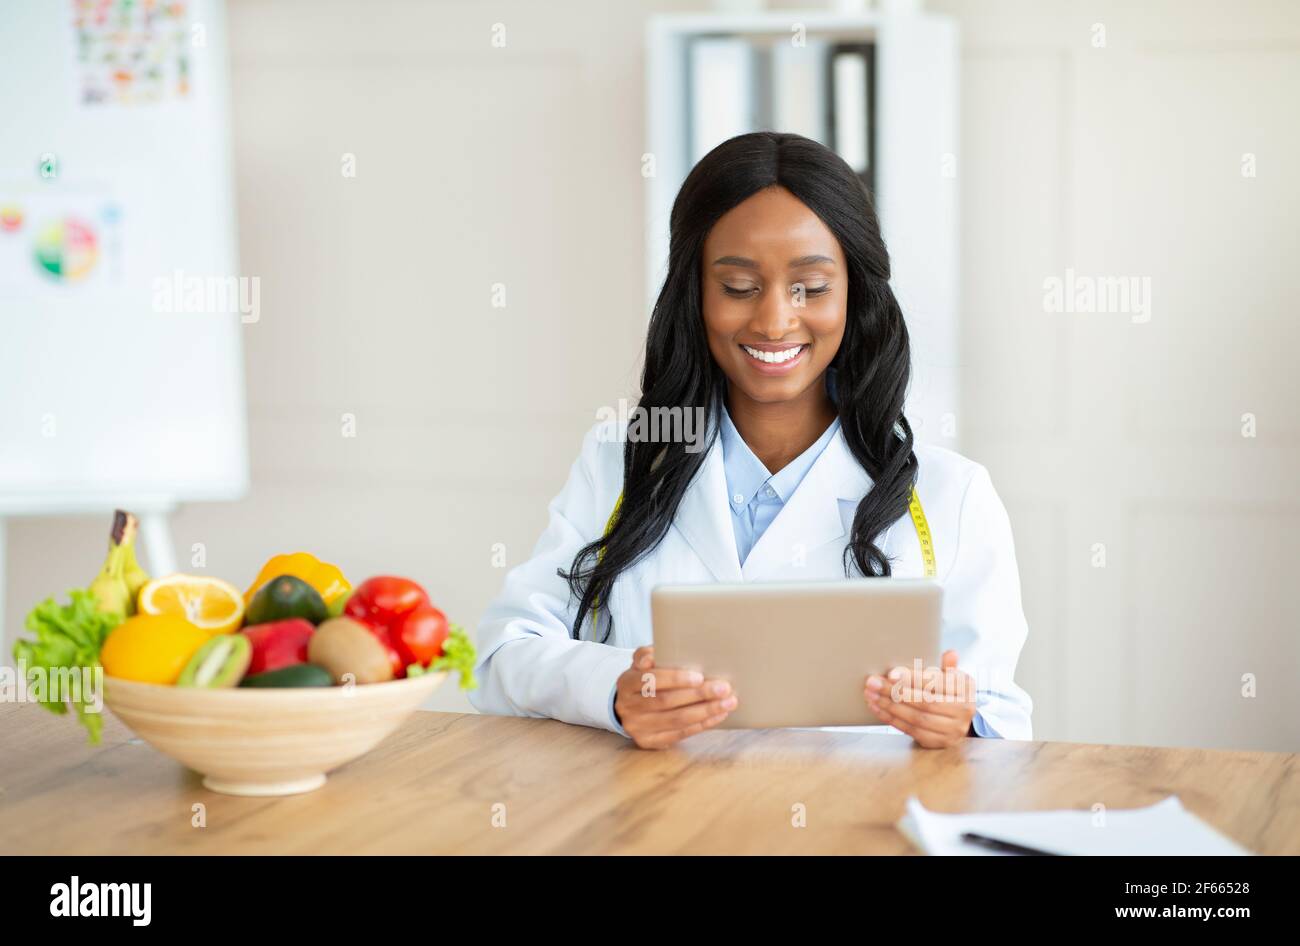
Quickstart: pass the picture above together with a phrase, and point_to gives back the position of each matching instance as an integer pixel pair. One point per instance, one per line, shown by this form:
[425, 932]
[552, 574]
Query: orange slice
[208, 603]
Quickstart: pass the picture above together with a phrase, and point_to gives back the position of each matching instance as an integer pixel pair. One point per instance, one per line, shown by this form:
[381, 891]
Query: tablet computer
[798, 654]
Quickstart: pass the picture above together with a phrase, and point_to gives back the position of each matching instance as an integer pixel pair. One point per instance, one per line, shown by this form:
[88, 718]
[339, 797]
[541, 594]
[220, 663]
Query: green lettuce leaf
[457, 655]
[67, 638]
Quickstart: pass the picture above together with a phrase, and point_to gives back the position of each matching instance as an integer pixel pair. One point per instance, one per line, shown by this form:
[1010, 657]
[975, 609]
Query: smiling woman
[745, 306]
[774, 216]
[777, 322]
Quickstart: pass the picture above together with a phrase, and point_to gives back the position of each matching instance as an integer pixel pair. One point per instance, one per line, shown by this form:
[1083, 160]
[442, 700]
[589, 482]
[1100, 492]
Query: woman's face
[774, 294]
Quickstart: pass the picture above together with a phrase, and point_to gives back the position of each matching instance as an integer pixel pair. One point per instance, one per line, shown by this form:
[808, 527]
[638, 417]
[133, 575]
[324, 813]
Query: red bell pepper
[398, 612]
[278, 644]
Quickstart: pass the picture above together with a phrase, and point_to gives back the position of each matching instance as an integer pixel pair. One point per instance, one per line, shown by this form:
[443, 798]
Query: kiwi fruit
[221, 662]
[344, 646]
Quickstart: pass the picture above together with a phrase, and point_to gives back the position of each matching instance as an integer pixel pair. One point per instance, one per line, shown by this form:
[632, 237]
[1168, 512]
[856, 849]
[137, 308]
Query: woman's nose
[777, 315]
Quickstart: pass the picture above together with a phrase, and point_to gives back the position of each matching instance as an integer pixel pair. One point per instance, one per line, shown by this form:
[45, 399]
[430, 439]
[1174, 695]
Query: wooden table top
[438, 784]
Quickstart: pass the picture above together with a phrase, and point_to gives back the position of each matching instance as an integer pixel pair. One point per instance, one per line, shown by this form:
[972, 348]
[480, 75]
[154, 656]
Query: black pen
[1006, 847]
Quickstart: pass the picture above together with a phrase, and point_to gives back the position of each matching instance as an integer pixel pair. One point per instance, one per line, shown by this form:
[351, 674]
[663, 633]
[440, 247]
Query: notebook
[1163, 828]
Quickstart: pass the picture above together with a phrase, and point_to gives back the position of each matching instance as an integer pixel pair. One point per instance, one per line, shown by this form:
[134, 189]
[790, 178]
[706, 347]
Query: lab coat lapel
[812, 517]
[704, 518]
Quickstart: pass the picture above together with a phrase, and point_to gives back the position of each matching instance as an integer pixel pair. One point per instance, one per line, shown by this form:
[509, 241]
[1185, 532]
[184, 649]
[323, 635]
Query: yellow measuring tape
[914, 508]
[923, 534]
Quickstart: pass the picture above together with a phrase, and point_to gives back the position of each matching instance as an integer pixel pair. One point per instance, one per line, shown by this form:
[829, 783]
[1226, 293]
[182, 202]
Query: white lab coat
[529, 665]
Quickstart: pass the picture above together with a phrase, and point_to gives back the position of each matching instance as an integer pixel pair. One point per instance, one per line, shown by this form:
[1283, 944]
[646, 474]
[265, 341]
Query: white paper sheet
[1163, 828]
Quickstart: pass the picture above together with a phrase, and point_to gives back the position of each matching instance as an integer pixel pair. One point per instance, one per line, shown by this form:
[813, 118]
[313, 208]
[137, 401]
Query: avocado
[221, 662]
[286, 597]
[298, 675]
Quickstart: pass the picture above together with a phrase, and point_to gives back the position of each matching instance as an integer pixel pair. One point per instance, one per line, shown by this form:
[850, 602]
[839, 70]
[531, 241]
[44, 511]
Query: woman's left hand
[935, 709]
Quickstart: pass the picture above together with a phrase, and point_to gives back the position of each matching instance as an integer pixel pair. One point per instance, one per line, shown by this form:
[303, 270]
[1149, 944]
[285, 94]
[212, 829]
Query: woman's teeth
[773, 357]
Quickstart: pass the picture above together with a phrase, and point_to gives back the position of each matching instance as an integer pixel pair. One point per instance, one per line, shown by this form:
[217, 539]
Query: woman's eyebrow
[747, 263]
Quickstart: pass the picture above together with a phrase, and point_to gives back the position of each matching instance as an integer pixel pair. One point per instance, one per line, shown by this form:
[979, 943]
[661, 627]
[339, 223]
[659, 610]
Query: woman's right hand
[659, 707]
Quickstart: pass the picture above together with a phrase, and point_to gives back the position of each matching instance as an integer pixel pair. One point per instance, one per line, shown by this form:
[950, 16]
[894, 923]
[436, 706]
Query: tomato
[420, 634]
[383, 605]
[395, 659]
[384, 598]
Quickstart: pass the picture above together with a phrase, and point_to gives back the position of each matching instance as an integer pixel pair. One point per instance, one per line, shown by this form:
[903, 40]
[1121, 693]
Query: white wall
[521, 165]
[1126, 160]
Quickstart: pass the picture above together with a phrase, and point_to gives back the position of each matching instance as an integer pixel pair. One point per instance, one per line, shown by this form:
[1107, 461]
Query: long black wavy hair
[872, 366]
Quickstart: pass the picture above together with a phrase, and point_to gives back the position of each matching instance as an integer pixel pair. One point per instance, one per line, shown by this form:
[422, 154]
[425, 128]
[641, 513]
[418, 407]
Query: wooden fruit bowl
[266, 742]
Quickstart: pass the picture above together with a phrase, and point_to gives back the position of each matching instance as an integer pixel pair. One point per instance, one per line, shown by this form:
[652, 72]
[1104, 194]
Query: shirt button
[769, 492]
[738, 499]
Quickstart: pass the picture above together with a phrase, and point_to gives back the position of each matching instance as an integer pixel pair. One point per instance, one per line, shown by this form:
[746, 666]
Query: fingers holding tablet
[934, 707]
[844, 630]
[660, 706]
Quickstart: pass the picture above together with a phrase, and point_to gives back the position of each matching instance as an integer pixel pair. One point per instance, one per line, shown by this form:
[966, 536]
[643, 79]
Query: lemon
[151, 648]
[208, 603]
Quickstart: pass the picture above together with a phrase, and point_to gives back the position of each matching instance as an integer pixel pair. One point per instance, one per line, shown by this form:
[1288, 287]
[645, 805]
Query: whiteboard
[115, 189]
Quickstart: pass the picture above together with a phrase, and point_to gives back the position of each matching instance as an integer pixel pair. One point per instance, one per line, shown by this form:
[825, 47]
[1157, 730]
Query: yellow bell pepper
[324, 577]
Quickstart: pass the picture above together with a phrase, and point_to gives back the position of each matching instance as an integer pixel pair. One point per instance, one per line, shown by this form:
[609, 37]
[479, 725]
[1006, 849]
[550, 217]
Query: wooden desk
[433, 785]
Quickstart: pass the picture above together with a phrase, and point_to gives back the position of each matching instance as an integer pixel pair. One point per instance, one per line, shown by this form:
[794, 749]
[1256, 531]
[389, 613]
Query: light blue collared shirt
[755, 495]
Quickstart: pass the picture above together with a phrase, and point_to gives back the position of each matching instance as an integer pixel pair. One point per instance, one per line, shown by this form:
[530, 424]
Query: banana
[136, 577]
[109, 586]
[118, 583]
